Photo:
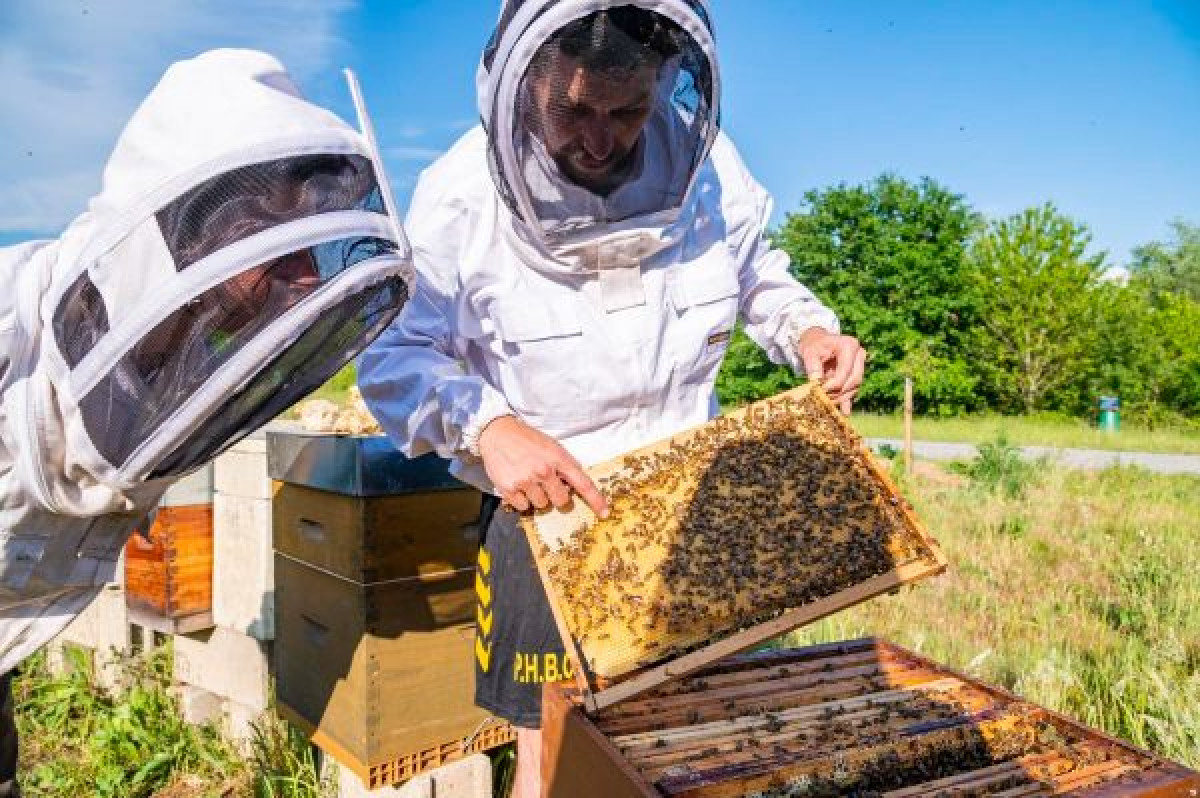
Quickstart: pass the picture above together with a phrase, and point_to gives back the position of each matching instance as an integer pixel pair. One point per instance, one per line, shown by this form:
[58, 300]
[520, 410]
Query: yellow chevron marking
[483, 591]
[483, 654]
[485, 622]
[485, 562]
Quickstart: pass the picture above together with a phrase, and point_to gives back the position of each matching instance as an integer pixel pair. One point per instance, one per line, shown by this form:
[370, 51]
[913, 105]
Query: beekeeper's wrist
[493, 407]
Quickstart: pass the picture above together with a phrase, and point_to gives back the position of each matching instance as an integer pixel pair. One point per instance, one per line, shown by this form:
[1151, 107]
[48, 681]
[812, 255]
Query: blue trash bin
[1110, 413]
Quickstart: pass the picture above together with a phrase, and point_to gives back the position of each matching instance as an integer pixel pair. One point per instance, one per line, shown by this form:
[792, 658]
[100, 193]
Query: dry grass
[1081, 595]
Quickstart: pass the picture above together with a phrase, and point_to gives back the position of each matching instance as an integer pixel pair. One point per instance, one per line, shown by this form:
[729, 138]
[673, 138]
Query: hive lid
[691, 565]
[353, 465]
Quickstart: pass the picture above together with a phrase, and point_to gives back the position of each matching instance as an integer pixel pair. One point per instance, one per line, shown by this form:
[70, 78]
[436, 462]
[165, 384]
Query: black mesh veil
[244, 201]
[613, 114]
[339, 335]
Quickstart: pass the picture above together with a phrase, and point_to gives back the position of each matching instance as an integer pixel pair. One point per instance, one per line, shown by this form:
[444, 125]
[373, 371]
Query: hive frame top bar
[1150, 776]
[598, 694]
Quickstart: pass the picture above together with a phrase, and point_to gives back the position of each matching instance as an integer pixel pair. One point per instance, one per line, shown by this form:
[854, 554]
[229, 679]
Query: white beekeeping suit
[592, 298]
[238, 255]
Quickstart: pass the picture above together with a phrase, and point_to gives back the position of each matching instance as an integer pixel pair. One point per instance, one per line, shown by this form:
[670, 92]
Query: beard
[602, 179]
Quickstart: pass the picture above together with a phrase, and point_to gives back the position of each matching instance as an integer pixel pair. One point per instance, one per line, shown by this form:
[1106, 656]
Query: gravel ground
[1091, 459]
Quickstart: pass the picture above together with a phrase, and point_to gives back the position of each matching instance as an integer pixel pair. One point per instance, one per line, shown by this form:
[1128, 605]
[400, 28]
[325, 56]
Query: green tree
[1040, 312]
[890, 258]
[1148, 352]
[1171, 267]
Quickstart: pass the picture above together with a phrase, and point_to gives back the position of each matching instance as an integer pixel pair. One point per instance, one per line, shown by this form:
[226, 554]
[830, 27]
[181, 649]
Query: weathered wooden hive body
[375, 604]
[861, 718]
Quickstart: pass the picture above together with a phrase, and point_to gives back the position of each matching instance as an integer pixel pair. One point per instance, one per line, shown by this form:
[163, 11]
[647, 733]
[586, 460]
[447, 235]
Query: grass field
[1081, 594]
[1059, 432]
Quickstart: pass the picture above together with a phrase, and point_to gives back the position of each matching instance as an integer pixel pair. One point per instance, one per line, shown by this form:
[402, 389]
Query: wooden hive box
[375, 610]
[720, 538]
[168, 570]
[860, 718]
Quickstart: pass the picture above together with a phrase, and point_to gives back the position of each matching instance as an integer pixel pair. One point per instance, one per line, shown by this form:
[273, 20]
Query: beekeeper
[239, 254]
[583, 258]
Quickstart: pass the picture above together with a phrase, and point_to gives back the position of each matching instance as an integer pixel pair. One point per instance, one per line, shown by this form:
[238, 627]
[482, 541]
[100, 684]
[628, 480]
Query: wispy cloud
[412, 153]
[410, 132]
[73, 72]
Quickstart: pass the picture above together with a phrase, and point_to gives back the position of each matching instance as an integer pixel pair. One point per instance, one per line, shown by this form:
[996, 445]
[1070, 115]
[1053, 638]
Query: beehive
[169, 566]
[375, 605]
[734, 532]
[861, 718]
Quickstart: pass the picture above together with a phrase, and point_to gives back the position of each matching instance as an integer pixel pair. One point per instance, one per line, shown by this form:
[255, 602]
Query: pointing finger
[578, 479]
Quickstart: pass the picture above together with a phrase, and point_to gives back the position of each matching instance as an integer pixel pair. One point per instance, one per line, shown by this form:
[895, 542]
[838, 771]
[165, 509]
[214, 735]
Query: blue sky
[1092, 104]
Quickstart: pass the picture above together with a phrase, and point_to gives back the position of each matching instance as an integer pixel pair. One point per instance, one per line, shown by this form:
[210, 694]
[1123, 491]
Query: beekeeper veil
[239, 254]
[598, 115]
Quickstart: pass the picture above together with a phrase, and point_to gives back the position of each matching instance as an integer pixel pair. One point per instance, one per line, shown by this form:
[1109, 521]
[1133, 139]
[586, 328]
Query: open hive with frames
[859, 718]
[722, 536]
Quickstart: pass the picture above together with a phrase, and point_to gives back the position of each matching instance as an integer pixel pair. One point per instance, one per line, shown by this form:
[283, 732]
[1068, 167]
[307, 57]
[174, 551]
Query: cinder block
[243, 566]
[470, 777]
[197, 705]
[195, 488]
[242, 470]
[103, 624]
[238, 724]
[103, 629]
[233, 665]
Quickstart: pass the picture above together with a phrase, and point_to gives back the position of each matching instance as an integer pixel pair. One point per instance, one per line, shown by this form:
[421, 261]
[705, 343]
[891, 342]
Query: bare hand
[835, 361]
[530, 469]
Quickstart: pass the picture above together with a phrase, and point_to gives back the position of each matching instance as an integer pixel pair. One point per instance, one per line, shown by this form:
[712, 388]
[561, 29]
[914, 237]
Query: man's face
[590, 121]
[292, 277]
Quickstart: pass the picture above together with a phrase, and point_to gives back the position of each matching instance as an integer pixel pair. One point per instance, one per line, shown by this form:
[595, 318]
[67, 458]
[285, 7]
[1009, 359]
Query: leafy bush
[1000, 468]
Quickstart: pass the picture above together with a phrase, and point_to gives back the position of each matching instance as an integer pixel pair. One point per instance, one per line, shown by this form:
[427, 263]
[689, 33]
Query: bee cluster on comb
[769, 508]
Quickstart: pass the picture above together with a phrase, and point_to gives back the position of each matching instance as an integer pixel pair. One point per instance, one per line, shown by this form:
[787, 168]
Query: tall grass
[1180, 438]
[1078, 591]
[80, 740]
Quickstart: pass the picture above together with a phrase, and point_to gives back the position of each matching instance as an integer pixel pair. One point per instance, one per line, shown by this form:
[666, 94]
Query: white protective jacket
[237, 256]
[604, 345]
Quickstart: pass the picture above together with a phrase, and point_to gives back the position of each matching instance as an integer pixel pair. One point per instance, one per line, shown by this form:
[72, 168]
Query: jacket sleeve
[774, 306]
[411, 377]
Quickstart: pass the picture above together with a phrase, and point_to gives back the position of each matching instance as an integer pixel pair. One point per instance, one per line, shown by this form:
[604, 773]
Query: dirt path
[1091, 459]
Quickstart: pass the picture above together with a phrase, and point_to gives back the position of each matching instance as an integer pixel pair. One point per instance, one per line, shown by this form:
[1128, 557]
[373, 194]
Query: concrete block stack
[225, 673]
[102, 631]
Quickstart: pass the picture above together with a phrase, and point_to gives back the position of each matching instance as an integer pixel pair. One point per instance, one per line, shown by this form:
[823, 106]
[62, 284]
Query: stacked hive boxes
[375, 605]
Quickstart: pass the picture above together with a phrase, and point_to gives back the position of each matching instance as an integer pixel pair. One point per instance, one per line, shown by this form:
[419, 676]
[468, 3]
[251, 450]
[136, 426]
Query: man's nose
[598, 139]
[296, 268]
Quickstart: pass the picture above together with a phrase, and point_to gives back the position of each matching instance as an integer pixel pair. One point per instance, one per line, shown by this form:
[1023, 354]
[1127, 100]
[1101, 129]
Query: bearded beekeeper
[239, 254]
[582, 260]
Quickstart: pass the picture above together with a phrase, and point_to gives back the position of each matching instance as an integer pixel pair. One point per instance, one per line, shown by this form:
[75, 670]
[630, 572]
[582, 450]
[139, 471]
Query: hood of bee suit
[238, 255]
[536, 125]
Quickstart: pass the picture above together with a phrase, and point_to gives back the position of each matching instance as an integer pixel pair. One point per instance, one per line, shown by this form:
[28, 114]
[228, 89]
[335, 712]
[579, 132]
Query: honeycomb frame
[667, 577]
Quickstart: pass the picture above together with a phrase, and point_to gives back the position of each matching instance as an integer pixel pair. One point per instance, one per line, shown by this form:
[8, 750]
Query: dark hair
[622, 38]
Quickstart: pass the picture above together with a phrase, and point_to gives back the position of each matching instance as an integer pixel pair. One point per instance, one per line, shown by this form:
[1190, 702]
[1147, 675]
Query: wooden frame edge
[760, 633]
